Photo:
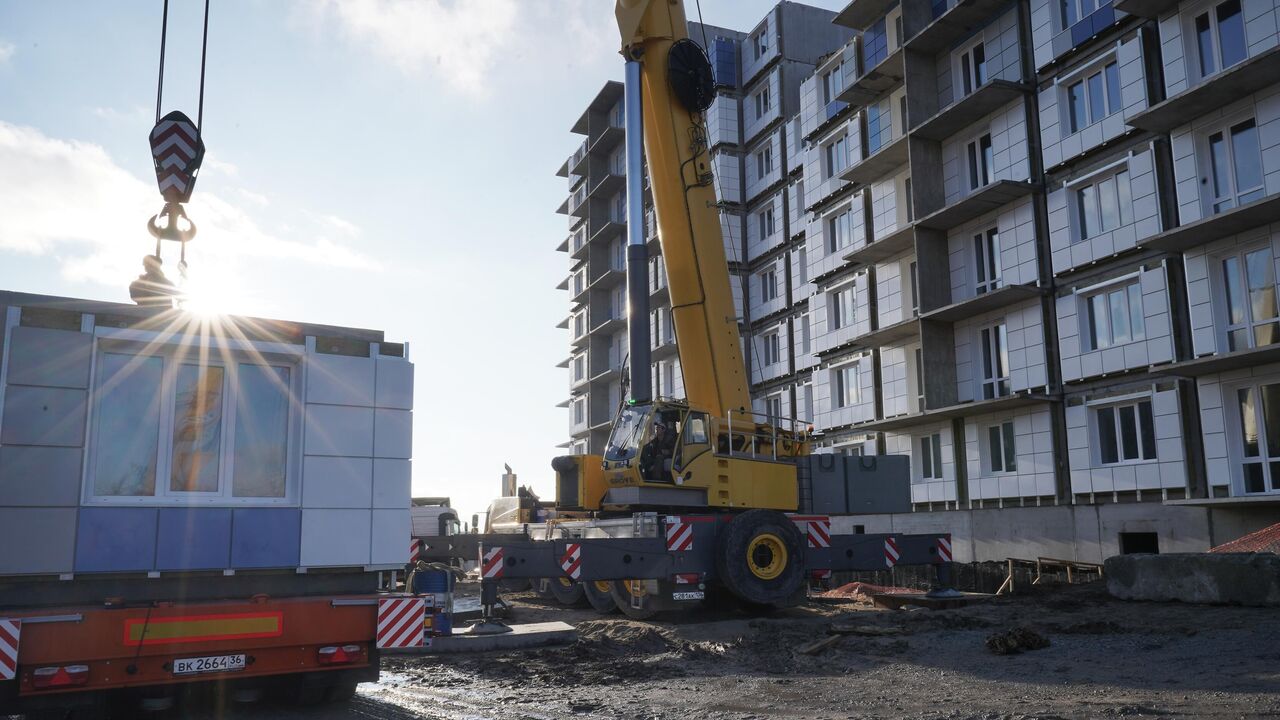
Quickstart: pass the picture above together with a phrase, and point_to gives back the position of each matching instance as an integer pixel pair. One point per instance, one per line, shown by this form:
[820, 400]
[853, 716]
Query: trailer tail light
[60, 676]
[340, 654]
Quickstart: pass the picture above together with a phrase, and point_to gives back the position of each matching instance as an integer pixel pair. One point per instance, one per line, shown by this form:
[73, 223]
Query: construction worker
[657, 454]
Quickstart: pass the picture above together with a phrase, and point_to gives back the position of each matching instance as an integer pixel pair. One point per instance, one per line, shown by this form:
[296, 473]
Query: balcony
[897, 242]
[979, 202]
[859, 14]
[970, 109]
[1248, 77]
[578, 202]
[959, 410]
[578, 243]
[1150, 9]
[1216, 227]
[985, 302]
[563, 324]
[955, 24]
[1221, 362]
[608, 374]
[664, 349]
[608, 229]
[564, 284]
[612, 324]
[563, 246]
[578, 159]
[876, 81]
[879, 163]
[608, 139]
[607, 186]
[887, 335]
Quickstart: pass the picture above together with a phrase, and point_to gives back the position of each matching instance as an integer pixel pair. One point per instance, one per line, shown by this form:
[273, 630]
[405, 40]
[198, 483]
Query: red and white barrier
[891, 554]
[679, 534]
[10, 633]
[571, 563]
[944, 548]
[491, 566]
[401, 622]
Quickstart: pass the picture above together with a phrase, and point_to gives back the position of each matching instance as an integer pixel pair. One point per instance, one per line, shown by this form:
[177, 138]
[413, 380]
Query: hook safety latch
[171, 229]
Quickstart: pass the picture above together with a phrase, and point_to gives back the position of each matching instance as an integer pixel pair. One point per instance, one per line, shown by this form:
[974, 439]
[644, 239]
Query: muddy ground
[1105, 659]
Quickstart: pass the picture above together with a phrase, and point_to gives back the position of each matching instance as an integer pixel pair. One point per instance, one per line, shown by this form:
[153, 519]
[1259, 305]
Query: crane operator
[657, 454]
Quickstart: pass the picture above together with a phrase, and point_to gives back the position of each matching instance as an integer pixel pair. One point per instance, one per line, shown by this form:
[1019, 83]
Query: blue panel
[194, 539]
[1081, 31]
[116, 539]
[1103, 18]
[266, 538]
[875, 45]
[834, 107]
[724, 62]
[938, 7]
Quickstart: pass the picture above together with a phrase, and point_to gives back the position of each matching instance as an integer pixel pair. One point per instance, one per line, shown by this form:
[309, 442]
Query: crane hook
[172, 230]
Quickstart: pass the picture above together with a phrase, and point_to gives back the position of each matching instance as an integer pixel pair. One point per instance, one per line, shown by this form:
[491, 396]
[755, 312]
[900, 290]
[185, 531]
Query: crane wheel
[566, 591]
[514, 585]
[637, 599]
[760, 559]
[599, 594]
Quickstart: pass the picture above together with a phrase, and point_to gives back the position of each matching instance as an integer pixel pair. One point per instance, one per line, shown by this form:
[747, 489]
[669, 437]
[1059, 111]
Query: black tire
[566, 591]
[599, 595]
[342, 691]
[513, 586]
[637, 599]
[760, 559]
[542, 587]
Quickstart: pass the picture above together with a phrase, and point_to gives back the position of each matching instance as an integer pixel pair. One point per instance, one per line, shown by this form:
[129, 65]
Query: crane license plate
[209, 663]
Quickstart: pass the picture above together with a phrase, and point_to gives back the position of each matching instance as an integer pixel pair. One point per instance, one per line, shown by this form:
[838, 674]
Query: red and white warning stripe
[686, 578]
[821, 574]
[10, 631]
[401, 622]
[890, 552]
[491, 566]
[944, 548]
[415, 550]
[571, 563]
[679, 534]
[816, 528]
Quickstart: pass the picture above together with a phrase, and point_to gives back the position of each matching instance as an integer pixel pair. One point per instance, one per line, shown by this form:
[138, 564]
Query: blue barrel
[442, 622]
[433, 581]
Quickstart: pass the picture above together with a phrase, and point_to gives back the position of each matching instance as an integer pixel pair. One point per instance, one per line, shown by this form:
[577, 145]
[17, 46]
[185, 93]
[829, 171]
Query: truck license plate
[211, 663]
[691, 595]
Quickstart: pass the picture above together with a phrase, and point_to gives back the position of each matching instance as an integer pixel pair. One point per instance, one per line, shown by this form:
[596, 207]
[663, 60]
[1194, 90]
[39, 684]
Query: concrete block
[43, 416]
[521, 636]
[49, 358]
[1227, 578]
[39, 476]
[45, 536]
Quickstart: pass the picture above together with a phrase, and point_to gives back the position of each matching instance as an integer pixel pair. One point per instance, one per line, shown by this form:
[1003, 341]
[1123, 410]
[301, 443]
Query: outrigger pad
[489, 627]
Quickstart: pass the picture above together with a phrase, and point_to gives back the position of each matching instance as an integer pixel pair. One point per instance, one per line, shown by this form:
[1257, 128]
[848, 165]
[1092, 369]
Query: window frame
[1007, 438]
[979, 167]
[993, 342]
[1114, 406]
[835, 320]
[1192, 47]
[1084, 218]
[1223, 296]
[1267, 455]
[966, 77]
[932, 443]
[1092, 324]
[847, 395]
[1212, 204]
[987, 273]
[1112, 97]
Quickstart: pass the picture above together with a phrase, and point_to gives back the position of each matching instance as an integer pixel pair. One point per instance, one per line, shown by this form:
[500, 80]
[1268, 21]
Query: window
[764, 162]
[1126, 433]
[762, 103]
[580, 367]
[1114, 316]
[875, 44]
[913, 278]
[840, 307]
[981, 160]
[973, 68]
[995, 361]
[906, 198]
[579, 324]
[931, 457]
[773, 408]
[1219, 38]
[1235, 166]
[760, 43]
[618, 162]
[765, 219]
[840, 230]
[1075, 10]
[579, 411]
[1093, 98]
[620, 207]
[1259, 416]
[879, 126]
[918, 356]
[772, 349]
[1104, 205]
[837, 153]
[768, 285]
[986, 259]
[832, 84]
[1001, 449]
[847, 390]
[181, 428]
[1249, 284]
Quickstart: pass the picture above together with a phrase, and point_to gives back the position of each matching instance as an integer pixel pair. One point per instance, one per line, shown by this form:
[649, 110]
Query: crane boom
[688, 217]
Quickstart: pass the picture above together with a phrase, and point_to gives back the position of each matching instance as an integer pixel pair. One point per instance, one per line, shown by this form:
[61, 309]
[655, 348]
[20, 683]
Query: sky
[383, 164]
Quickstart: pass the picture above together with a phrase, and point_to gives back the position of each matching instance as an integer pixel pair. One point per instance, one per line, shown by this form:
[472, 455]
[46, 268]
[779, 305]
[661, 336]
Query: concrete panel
[393, 434]
[43, 416]
[337, 538]
[194, 539]
[340, 380]
[49, 358]
[1234, 578]
[395, 384]
[265, 537]
[391, 532]
[337, 430]
[46, 537]
[48, 476]
[392, 481]
[337, 482]
[110, 539]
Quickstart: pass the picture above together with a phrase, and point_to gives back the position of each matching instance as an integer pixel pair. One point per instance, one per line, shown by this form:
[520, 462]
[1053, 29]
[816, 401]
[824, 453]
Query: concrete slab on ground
[894, 601]
[1235, 578]
[521, 637]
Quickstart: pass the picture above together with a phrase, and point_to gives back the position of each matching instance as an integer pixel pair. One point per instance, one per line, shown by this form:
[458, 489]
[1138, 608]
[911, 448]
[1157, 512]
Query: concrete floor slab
[521, 637]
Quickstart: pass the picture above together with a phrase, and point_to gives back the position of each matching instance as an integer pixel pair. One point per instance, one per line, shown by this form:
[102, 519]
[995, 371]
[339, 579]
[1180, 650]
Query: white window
[619, 210]
[840, 230]
[1092, 98]
[1001, 452]
[981, 159]
[1249, 288]
[930, 456]
[846, 385]
[1218, 38]
[1234, 160]
[764, 162]
[669, 375]
[802, 261]
[773, 408]
[762, 103]
[1114, 316]
[1103, 205]
[760, 43]
[986, 261]
[184, 428]
[841, 307]
[579, 325]
[579, 280]
[768, 285]
[1073, 11]
[804, 334]
[579, 411]
[1259, 449]
[837, 156]
[832, 84]
[972, 68]
[618, 162]
[765, 220]
[995, 361]
[1125, 433]
[772, 349]
[917, 356]
[580, 367]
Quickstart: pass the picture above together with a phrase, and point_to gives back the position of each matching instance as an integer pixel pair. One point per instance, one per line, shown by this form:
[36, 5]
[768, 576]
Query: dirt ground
[1105, 659]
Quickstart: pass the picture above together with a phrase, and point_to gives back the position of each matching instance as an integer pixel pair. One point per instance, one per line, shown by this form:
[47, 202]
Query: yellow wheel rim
[602, 586]
[767, 556]
[635, 587]
[566, 582]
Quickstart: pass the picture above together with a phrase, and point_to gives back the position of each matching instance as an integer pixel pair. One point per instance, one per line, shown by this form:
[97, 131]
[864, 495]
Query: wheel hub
[767, 556]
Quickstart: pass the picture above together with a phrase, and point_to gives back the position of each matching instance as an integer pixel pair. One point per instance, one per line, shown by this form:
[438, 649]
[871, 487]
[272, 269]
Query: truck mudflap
[100, 648]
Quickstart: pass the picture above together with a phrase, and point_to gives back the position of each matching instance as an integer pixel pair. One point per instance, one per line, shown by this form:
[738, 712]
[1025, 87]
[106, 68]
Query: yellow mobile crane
[693, 494]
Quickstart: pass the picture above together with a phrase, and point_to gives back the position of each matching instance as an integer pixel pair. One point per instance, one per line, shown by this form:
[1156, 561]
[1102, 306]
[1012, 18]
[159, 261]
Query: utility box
[149, 440]
[855, 485]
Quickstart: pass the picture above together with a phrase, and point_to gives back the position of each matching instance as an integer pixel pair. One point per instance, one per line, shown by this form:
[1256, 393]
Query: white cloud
[457, 41]
[69, 199]
[214, 163]
[7, 50]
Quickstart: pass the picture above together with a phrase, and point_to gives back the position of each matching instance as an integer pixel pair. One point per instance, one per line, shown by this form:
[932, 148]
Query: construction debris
[1015, 641]
[863, 592]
